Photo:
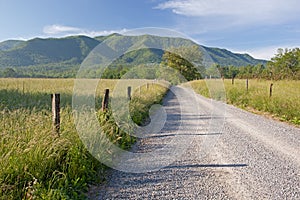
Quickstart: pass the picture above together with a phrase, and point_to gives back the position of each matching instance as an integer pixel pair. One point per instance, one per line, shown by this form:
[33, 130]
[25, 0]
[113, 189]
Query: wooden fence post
[105, 100]
[129, 92]
[147, 86]
[23, 87]
[56, 112]
[232, 80]
[271, 89]
[247, 84]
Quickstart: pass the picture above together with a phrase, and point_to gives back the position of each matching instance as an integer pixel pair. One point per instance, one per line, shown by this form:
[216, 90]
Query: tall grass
[37, 164]
[284, 103]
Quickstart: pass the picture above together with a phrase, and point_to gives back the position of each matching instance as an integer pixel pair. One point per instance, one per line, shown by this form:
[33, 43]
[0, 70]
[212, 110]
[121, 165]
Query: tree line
[284, 65]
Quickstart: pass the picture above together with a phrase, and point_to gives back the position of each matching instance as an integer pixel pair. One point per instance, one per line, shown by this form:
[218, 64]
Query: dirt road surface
[232, 154]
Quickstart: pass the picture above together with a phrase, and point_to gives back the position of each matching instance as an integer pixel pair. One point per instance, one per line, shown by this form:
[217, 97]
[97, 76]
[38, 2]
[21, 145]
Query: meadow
[284, 103]
[36, 163]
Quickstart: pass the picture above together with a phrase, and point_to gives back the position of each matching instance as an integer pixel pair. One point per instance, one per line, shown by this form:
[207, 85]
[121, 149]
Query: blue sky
[258, 27]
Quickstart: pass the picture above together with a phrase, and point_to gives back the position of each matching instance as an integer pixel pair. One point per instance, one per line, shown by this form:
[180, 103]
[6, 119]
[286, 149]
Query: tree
[233, 71]
[9, 73]
[285, 64]
[258, 71]
[223, 71]
[186, 60]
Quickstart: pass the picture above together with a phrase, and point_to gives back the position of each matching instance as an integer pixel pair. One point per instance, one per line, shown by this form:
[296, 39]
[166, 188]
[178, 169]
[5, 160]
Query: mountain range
[64, 55]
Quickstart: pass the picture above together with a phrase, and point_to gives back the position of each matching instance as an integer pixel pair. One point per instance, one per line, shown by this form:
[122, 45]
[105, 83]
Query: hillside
[10, 44]
[44, 51]
[64, 55]
[225, 58]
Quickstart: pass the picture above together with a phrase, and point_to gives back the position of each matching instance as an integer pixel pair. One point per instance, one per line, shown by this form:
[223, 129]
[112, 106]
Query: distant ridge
[224, 57]
[10, 44]
[67, 53]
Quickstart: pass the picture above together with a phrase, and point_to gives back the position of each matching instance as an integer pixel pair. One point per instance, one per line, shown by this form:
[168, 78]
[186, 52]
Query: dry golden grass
[284, 103]
[34, 162]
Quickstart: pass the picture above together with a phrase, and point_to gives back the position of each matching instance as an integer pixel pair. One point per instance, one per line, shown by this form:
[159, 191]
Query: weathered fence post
[56, 112]
[247, 84]
[23, 87]
[147, 86]
[105, 100]
[271, 89]
[232, 80]
[129, 92]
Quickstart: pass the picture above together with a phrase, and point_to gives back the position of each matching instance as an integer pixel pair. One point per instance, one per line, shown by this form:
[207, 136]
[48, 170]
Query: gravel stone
[232, 155]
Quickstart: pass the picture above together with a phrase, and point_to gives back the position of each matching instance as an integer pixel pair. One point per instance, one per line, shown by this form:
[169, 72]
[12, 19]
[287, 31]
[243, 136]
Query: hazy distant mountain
[70, 51]
[225, 58]
[10, 44]
[44, 51]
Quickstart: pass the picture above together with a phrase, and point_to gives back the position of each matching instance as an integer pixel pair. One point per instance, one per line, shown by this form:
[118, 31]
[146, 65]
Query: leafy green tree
[9, 73]
[223, 71]
[285, 64]
[186, 60]
[233, 71]
[258, 71]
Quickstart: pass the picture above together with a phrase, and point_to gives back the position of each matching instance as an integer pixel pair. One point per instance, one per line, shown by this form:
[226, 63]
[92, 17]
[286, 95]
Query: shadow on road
[193, 134]
[206, 166]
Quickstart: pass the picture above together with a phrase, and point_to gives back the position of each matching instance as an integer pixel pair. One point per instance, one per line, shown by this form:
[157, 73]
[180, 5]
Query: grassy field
[37, 164]
[284, 103]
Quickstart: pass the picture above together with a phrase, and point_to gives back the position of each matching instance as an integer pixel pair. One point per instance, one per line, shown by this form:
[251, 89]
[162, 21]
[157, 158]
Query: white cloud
[61, 30]
[105, 32]
[58, 29]
[244, 11]
[265, 53]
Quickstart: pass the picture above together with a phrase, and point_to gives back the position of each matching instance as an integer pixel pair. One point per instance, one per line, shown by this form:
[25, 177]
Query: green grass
[36, 163]
[284, 103]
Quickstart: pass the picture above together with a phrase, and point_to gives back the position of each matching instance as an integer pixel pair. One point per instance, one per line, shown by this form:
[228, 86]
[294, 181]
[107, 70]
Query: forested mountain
[224, 57]
[44, 51]
[61, 57]
[10, 44]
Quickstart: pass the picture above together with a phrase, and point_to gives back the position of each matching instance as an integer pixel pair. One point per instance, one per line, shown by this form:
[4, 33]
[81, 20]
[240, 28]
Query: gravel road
[232, 154]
